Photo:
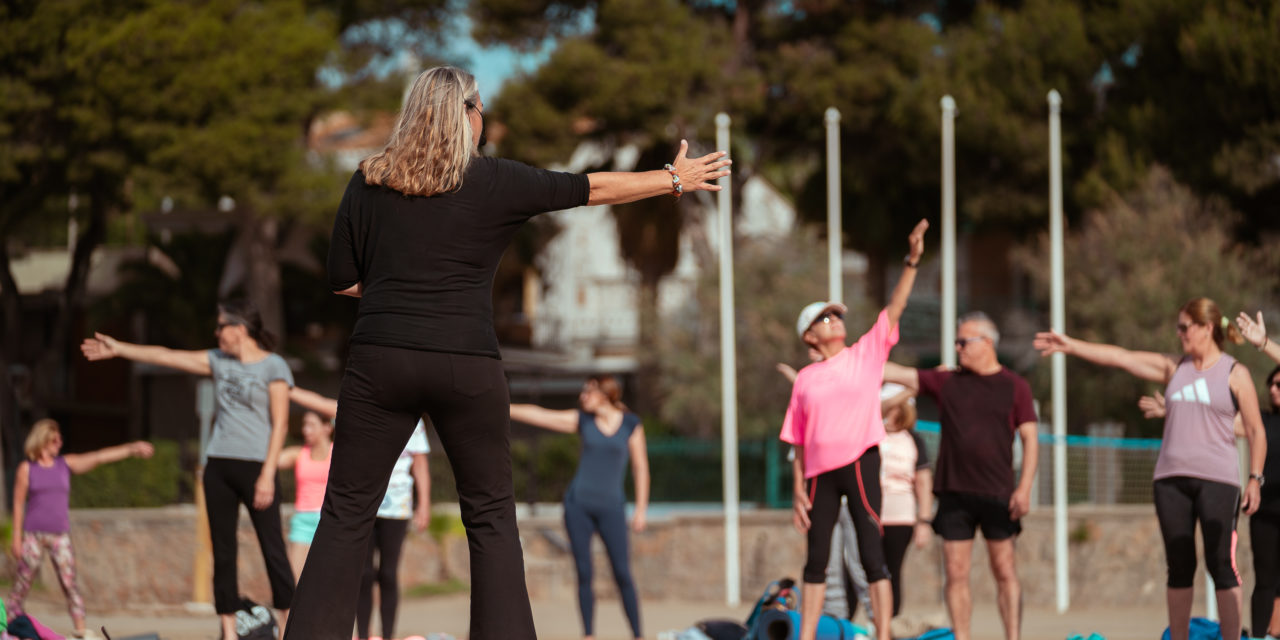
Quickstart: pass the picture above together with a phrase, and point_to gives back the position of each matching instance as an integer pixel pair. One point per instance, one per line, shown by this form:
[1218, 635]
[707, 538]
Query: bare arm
[905, 376]
[104, 347]
[1255, 331]
[800, 504]
[924, 507]
[265, 489]
[422, 485]
[562, 420]
[1242, 385]
[288, 457]
[307, 399]
[639, 473]
[21, 482]
[898, 399]
[1020, 503]
[86, 462]
[1148, 365]
[697, 174]
[898, 301]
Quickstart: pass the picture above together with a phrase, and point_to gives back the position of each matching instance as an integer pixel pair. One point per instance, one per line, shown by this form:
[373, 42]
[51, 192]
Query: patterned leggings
[64, 560]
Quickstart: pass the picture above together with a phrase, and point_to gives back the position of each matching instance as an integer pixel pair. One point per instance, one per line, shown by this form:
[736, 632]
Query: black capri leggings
[384, 392]
[859, 481]
[1264, 535]
[1180, 503]
[388, 541]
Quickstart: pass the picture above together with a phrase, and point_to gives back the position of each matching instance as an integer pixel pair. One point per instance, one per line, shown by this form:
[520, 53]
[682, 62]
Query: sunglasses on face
[827, 317]
[964, 342]
[1184, 327]
[224, 325]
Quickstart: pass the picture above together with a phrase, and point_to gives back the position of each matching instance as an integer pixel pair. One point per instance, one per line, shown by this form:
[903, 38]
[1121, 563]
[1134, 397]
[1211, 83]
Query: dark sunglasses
[963, 342]
[826, 317]
[224, 325]
[1183, 327]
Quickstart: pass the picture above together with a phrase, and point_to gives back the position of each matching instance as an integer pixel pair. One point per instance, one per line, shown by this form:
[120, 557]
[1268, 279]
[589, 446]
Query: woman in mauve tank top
[1197, 477]
[41, 518]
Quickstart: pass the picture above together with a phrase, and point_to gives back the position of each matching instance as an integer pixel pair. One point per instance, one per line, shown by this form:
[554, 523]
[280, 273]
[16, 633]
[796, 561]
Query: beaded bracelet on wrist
[677, 189]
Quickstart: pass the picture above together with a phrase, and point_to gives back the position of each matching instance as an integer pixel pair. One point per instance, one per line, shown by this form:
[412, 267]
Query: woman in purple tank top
[1197, 477]
[41, 521]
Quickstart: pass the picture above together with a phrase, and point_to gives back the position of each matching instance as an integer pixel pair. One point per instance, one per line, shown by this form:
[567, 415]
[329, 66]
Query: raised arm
[264, 490]
[898, 301]
[103, 347]
[307, 399]
[21, 482]
[288, 457]
[639, 473]
[1256, 333]
[1148, 365]
[86, 462]
[905, 376]
[696, 174]
[1242, 386]
[562, 420]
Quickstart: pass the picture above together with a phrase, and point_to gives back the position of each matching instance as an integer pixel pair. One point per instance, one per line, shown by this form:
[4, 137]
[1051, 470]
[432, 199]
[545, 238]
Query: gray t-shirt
[242, 428]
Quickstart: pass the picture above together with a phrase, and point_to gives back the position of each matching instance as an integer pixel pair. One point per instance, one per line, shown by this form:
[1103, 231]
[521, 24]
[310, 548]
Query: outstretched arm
[562, 420]
[1147, 365]
[288, 457]
[905, 376]
[640, 473]
[86, 462]
[307, 399]
[103, 347]
[898, 301]
[696, 174]
[1256, 333]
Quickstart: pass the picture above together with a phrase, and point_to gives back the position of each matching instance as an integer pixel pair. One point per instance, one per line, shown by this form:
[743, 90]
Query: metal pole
[835, 265]
[948, 231]
[729, 379]
[1057, 321]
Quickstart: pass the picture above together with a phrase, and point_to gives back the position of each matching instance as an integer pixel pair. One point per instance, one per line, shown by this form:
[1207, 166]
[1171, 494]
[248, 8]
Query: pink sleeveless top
[1199, 439]
[311, 476]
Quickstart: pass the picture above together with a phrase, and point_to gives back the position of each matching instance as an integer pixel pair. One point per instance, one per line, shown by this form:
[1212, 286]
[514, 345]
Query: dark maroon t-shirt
[980, 415]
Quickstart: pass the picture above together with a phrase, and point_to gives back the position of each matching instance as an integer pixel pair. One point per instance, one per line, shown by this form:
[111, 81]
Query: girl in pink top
[310, 463]
[834, 423]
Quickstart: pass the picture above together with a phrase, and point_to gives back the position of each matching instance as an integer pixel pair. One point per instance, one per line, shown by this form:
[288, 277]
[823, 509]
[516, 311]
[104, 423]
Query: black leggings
[384, 392]
[859, 481]
[1264, 535]
[897, 539]
[1181, 502]
[388, 540]
[229, 483]
[583, 521]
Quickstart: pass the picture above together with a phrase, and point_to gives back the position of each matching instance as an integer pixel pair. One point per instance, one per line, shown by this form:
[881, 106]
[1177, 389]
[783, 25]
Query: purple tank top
[1199, 440]
[48, 490]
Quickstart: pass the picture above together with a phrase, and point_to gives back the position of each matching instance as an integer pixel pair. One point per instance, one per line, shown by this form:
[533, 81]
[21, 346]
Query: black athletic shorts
[960, 514]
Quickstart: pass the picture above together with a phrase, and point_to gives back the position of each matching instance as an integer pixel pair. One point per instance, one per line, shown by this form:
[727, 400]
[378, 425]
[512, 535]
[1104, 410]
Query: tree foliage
[1129, 268]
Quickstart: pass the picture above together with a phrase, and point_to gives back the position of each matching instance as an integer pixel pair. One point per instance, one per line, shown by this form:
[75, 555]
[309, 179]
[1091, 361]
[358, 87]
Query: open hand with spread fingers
[700, 174]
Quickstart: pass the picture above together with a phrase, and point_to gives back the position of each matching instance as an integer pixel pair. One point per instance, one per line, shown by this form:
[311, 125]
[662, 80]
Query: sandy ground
[558, 620]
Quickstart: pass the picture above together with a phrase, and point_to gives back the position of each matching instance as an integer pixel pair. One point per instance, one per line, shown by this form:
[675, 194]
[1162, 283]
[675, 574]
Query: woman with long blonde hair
[417, 237]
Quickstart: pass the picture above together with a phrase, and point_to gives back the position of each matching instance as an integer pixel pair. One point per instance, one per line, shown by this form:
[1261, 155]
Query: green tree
[1129, 267]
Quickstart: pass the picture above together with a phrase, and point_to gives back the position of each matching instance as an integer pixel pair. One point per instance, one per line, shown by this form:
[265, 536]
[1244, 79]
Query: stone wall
[146, 558]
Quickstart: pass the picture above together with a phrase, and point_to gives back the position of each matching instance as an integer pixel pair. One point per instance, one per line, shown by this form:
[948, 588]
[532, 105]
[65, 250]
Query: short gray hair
[986, 325]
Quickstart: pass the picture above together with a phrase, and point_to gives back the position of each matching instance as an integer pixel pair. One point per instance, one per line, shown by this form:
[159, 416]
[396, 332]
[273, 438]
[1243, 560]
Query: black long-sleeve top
[426, 263]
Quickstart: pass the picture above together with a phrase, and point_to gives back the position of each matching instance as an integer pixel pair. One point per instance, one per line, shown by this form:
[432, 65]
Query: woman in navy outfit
[595, 501]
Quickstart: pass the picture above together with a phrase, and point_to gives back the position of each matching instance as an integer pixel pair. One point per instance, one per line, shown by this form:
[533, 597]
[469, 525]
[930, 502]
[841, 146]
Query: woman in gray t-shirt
[251, 388]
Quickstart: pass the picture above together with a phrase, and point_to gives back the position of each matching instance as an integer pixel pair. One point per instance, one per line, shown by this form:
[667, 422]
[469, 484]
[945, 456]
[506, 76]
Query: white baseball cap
[812, 311]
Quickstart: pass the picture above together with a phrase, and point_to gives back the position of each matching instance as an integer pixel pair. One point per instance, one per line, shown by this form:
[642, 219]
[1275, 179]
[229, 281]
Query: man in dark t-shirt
[982, 406]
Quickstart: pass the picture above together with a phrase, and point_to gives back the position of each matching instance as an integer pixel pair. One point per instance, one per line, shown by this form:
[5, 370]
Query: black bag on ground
[255, 622]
